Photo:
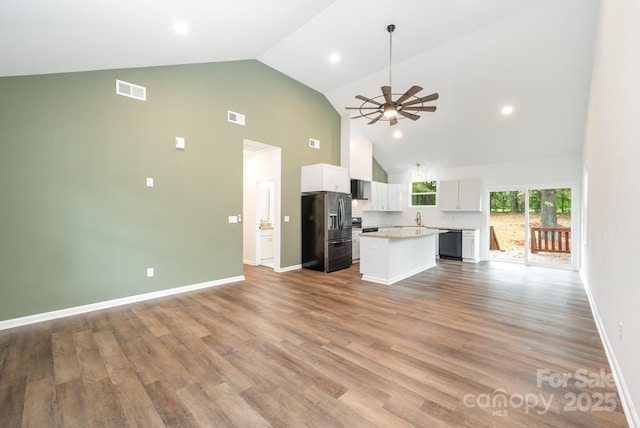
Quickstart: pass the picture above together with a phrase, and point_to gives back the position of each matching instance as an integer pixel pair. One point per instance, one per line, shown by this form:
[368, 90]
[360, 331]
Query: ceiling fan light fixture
[390, 111]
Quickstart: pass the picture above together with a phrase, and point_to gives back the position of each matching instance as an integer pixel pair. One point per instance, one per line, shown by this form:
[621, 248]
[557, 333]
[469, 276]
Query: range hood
[357, 189]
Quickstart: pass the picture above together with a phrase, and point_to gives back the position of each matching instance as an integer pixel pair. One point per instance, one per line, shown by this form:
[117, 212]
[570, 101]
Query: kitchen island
[390, 256]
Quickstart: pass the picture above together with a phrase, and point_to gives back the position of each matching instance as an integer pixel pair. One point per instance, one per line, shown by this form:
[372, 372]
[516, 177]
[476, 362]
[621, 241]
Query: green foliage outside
[513, 201]
[423, 193]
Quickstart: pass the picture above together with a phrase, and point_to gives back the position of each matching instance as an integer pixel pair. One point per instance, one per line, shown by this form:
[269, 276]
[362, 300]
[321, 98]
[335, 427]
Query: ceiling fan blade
[409, 115]
[368, 100]
[426, 99]
[376, 119]
[411, 92]
[362, 115]
[393, 121]
[362, 108]
[386, 91]
[425, 108]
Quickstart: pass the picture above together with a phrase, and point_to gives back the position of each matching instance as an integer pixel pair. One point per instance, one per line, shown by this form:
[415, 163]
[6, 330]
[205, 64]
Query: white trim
[287, 269]
[625, 396]
[46, 316]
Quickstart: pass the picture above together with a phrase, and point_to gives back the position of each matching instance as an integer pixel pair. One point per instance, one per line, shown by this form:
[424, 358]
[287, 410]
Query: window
[423, 193]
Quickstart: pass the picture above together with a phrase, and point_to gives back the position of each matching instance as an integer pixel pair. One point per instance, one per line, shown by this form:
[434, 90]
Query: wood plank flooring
[457, 345]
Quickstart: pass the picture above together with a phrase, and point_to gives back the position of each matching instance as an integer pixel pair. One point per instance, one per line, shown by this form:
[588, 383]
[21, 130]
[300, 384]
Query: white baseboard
[46, 316]
[288, 268]
[625, 397]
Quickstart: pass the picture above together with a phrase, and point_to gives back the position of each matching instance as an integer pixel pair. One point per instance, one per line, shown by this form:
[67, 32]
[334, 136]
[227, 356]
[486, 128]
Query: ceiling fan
[383, 107]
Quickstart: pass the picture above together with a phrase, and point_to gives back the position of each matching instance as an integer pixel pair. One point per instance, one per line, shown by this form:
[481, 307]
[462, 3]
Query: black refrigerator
[326, 231]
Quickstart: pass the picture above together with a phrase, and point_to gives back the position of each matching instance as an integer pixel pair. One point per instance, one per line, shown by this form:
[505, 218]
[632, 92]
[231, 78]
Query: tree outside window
[423, 193]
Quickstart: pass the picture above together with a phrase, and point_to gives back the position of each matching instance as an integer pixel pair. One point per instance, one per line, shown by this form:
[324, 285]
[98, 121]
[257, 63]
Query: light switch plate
[233, 219]
[180, 143]
[149, 182]
[150, 272]
[286, 219]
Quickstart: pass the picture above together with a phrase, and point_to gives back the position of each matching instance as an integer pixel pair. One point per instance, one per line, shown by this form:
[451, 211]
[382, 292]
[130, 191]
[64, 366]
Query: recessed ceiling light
[397, 134]
[507, 110]
[334, 58]
[181, 28]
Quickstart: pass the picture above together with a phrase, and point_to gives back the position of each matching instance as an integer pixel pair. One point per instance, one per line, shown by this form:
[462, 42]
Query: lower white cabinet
[266, 246]
[471, 246]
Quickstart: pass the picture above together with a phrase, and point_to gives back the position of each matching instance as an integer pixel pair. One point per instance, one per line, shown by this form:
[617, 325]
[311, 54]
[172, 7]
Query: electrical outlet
[150, 272]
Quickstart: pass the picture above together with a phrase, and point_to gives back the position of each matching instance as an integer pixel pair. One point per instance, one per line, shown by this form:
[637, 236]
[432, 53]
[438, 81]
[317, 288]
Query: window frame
[434, 193]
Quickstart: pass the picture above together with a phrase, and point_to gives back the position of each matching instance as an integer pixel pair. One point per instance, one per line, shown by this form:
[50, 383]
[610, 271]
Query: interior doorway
[261, 204]
[532, 226]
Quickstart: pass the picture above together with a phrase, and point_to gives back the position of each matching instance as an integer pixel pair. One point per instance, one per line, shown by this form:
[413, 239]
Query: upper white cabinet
[460, 195]
[394, 197]
[360, 159]
[325, 177]
[379, 196]
[386, 197]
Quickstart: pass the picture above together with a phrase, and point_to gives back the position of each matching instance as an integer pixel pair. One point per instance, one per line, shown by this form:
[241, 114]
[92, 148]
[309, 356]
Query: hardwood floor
[457, 345]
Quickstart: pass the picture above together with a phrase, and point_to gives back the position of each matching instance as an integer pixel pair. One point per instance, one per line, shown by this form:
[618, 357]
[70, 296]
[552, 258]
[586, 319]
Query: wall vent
[313, 143]
[130, 90]
[235, 117]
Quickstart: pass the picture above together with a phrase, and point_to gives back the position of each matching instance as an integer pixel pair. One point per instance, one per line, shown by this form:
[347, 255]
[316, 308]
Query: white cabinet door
[266, 245]
[470, 246]
[470, 195]
[460, 195]
[360, 161]
[325, 177]
[394, 197]
[448, 195]
[378, 196]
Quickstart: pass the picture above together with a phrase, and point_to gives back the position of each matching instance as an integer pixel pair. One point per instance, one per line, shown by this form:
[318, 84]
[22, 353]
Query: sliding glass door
[532, 226]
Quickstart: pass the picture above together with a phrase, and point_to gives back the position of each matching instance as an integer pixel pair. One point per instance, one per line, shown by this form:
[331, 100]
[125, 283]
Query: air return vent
[130, 90]
[235, 117]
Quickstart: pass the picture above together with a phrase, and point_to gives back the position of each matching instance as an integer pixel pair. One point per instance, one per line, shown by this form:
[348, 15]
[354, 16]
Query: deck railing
[550, 239]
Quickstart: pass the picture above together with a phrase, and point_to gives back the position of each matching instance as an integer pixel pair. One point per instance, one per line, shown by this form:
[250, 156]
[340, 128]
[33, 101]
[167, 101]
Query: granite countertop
[401, 233]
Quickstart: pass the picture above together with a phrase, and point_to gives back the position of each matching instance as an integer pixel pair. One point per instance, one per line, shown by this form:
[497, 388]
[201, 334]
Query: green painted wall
[78, 224]
[378, 173]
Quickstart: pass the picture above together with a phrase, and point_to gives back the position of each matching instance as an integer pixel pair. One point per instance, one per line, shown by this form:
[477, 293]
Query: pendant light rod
[390, 29]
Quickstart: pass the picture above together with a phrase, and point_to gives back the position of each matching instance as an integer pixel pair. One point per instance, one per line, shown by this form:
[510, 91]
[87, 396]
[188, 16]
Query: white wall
[611, 155]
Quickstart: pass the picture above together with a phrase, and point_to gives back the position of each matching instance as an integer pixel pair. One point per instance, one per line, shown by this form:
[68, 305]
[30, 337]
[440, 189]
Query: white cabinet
[386, 197]
[394, 197]
[470, 246]
[325, 177]
[266, 246]
[460, 195]
[355, 246]
[360, 159]
[379, 196]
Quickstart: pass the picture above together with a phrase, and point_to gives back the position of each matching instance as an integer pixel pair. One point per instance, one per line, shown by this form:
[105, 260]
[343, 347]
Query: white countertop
[401, 233]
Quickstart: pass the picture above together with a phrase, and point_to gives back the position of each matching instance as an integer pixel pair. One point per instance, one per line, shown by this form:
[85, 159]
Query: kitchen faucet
[418, 219]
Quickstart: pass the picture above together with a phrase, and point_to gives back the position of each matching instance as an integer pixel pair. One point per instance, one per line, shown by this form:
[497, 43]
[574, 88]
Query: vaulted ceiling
[479, 55]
